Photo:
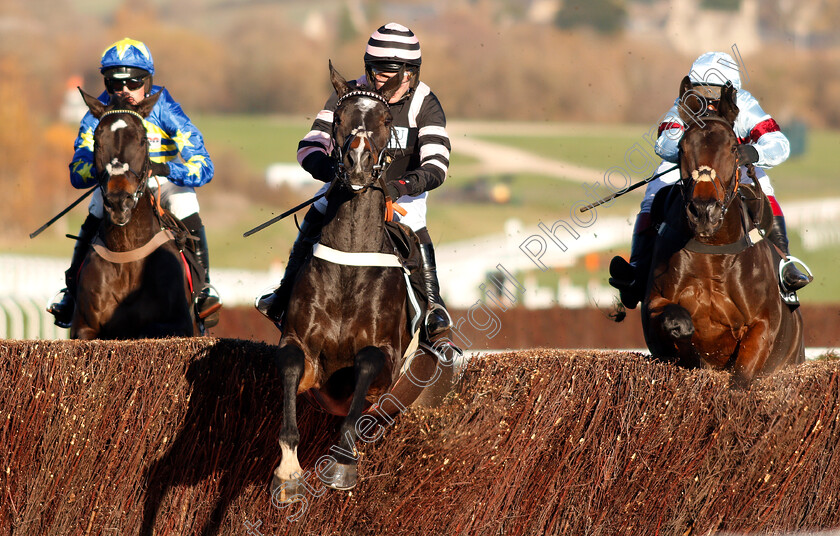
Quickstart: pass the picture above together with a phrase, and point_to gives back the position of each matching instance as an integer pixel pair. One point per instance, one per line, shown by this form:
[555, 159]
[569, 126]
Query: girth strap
[122, 257]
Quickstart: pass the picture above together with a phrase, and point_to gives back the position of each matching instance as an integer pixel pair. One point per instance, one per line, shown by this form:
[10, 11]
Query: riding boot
[273, 305]
[208, 299]
[792, 278]
[437, 318]
[62, 309]
[630, 278]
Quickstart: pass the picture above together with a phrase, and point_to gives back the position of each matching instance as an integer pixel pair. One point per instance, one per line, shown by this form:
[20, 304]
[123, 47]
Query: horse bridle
[377, 172]
[728, 196]
[146, 162]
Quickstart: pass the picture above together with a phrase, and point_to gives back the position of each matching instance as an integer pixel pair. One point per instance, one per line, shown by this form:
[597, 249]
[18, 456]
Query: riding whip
[63, 212]
[629, 188]
[281, 216]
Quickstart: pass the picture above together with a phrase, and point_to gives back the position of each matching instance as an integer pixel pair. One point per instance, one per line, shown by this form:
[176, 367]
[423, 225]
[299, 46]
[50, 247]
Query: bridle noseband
[339, 151]
[103, 174]
[728, 195]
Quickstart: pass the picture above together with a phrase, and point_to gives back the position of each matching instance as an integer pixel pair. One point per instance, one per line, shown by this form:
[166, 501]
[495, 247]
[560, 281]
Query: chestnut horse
[345, 335]
[132, 284]
[713, 297]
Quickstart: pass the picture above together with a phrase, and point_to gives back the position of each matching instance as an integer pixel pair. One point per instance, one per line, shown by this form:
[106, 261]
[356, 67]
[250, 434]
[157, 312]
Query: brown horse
[346, 333]
[713, 296]
[132, 284]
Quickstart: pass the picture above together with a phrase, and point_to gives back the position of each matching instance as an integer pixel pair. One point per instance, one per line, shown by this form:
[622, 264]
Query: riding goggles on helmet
[386, 67]
[116, 84]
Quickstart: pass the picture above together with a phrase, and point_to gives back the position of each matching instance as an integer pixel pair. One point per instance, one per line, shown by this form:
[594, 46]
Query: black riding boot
[274, 304]
[437, 318]
[63, 308]
[208, 299]
[630, 278]
[792, 278]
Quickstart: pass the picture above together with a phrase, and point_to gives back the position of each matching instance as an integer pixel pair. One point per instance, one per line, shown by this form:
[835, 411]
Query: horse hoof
[283, 491]
[340, 476]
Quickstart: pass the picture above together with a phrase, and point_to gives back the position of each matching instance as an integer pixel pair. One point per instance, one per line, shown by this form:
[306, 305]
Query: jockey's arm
[755, 126]
[82, 170]
[434, 147]
[671, 130]
[314, 149]
[180, 136]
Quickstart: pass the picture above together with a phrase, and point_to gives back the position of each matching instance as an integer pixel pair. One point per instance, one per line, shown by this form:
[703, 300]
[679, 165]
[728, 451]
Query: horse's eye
[388, 121]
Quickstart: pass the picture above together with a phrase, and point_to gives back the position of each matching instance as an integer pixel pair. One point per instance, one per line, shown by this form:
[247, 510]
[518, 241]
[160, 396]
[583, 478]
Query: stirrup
[208, 296]
[263, 304]
[52, 308]
[433, 308]
[783, 263]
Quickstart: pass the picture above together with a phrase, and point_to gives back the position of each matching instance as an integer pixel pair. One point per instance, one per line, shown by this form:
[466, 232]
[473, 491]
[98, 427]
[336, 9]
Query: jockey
[761, 142]
[419, 149]
[127, 67]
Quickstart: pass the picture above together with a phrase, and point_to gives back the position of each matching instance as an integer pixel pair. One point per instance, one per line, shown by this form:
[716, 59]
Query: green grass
[595, 152]
[259, 140]
[805, 176]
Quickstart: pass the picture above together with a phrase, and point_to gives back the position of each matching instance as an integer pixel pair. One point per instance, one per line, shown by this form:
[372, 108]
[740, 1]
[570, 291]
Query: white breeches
[415, 208]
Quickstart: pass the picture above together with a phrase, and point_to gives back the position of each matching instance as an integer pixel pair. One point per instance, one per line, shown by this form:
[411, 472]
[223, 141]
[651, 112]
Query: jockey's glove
[398, 188]
[160, 169]
[747, 154]
[320, 166]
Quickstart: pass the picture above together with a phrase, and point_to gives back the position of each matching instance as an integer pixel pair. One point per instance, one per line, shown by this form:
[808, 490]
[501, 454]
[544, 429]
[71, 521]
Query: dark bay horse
[346, 333]
[713, 295]
[132, 283]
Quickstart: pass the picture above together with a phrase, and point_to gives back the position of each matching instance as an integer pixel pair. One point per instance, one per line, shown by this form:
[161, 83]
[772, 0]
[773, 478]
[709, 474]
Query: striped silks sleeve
[434, 144]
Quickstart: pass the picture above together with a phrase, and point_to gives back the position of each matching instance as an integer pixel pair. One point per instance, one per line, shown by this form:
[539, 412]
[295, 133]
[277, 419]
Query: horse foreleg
[286, 483]
[753, 352]
[342, 475]
[674, 324]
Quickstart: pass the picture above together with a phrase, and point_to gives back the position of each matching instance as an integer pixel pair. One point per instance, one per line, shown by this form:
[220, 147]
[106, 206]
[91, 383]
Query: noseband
[103, 174]
[702, 171]
[340, 151]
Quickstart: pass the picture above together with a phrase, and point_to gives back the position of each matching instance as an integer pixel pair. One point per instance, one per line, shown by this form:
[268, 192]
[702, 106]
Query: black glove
[320, 166]
[398, 188]
[160, 169]
[747, 154]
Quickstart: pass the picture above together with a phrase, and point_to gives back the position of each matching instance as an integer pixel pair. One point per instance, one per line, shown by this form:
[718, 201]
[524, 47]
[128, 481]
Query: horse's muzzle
[705, 217]
[119, 210]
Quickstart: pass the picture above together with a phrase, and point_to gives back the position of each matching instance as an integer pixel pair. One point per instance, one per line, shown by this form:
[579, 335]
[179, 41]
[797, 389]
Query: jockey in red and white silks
[753, 126]
[761, 142]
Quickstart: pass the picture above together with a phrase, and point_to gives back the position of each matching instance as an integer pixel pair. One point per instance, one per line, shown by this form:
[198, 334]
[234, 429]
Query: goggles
[116, 84]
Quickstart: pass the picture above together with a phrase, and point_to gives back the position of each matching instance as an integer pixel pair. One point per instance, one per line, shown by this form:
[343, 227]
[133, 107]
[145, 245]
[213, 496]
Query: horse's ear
[691, 105]
[728, 109]
[145, 107]
[96, 108]
[393, 84]
[338, 82]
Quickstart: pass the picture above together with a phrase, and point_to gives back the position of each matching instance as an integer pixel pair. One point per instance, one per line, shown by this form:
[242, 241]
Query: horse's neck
[358, 224]
[142, 226]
